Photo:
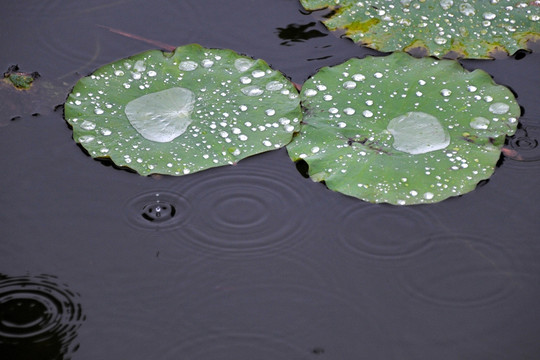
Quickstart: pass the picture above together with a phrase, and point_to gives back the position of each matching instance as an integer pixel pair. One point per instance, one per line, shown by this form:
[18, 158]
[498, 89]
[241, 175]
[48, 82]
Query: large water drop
[274, 85]
[499, 108]
[467, 9]
[188, 65]
[480, 123]
[418, 133]
[252, 91]
[446, 4]
[161, 116]
[243, 64]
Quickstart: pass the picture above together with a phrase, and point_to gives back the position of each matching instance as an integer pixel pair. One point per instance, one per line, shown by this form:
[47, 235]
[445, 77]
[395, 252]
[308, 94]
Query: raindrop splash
[159, 210]
[38, 316]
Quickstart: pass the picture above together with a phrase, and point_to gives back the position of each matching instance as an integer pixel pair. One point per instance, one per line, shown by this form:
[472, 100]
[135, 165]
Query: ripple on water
[38, 315]
[246, 212]
[52, 30]
[389, 235]
[233, 347]
[280, 308]
[525, 151]
[157, 210]
[38, 8]
[284, 293]
[461, 270]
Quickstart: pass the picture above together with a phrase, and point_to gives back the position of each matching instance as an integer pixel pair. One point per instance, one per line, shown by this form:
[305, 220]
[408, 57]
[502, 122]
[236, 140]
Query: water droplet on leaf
[418, 133]
[161, 116]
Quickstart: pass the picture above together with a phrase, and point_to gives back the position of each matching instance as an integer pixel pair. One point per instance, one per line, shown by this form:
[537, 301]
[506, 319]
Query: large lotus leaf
[181, 112]
[470, 28]
[403, 130]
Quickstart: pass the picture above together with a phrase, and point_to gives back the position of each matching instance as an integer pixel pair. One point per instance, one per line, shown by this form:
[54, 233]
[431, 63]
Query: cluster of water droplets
[215, 109]
[450, 28]
[446, 125]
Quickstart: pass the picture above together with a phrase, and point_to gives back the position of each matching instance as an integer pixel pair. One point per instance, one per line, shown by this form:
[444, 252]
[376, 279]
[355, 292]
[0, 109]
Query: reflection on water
[38, 316]
[298, 33]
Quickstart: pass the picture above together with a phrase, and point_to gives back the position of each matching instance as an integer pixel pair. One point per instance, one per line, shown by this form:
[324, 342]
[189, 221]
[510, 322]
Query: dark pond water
[251, 261]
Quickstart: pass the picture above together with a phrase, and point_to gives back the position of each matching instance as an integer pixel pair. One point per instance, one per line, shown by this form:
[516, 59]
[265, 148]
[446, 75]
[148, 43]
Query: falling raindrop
[158, 211]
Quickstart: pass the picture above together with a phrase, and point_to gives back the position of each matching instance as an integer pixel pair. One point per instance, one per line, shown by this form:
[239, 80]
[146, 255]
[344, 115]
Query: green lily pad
[403, 130]
[181, 112]
[471, 29]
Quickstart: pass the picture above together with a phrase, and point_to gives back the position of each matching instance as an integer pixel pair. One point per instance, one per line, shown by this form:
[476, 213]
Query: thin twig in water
[140, 38]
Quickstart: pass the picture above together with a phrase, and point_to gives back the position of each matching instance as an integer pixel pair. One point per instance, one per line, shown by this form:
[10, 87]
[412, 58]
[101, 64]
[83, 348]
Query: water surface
[251, 261]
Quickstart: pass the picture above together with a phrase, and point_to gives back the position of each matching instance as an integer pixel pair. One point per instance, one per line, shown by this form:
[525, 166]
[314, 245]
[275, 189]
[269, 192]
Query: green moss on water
[21, 80]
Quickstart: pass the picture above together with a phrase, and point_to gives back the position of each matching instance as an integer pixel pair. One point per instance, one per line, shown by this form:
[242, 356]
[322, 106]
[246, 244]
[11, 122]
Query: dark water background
[257, 262]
